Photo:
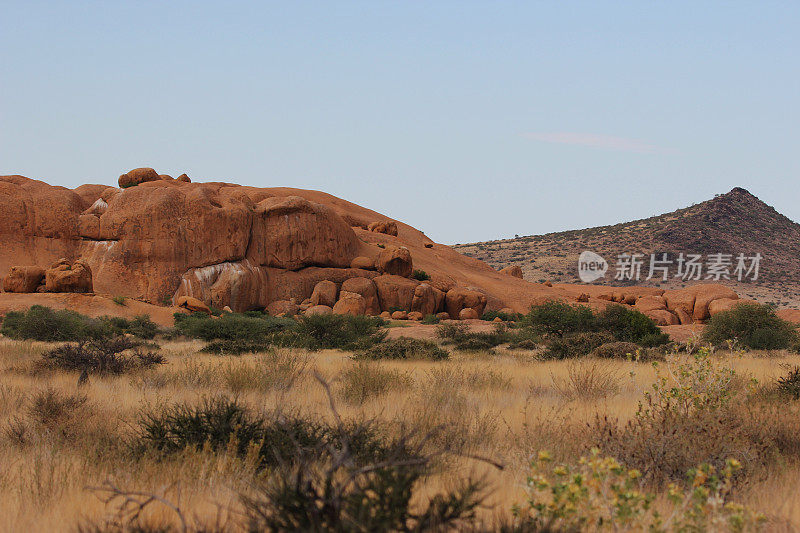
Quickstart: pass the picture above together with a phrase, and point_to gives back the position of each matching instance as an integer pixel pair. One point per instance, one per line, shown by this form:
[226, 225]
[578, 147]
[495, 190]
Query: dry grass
[588, 380]
[58, 439]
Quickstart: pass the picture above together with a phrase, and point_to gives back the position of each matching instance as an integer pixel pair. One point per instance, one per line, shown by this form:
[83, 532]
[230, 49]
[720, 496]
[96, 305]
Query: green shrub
[576, 344]
[236, 346]
[625, 324]
[477, 342]
[119, 324]
[430, 319]
[560, 319]
[523, 338]
[140, 326]
[277, 440]
[342, 332]
[235, 333]
[653, 340]
[119, 300]
[404, 348]
[230, 326]
[629, 325]
[420, 275]
[44, 324]
[753, 325]
[460, 336]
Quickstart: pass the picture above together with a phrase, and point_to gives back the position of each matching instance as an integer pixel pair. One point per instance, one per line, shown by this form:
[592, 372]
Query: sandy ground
[92, 305]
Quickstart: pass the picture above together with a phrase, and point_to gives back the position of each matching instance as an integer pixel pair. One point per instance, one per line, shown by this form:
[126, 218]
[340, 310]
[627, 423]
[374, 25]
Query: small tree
[754, 325]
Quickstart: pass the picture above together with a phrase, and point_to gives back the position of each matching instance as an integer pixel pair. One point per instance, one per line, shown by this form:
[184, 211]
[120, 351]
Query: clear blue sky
[468, 120]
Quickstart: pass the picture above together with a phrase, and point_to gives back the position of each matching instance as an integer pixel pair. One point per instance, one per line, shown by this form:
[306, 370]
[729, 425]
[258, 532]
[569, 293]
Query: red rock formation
[318, 310]
[350, 303]
[23, 279]
[387, 227]
[324, 293]
[192, 304]
[395, 292]
[662, 317]
[367, 263]
[64, 276]
[293, 233]
[366, 288]
[246, 247]
[694, 300]
[138, 176]
[459, 298]
[513, 270]
[426, 300]
[283, 308]
[395, 260]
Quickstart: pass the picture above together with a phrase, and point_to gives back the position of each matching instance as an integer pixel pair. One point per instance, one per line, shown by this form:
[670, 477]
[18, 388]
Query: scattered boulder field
[169, 242]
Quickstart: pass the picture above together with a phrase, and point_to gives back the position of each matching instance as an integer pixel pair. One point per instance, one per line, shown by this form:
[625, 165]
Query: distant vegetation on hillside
[732, 223]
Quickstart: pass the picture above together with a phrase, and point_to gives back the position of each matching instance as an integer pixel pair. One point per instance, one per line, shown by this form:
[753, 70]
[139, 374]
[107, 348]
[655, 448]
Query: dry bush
[365, 381]
[466, 406]
[444, 407]
[50, 414]
[115, 355]
[588, 380]
[460, 377]
[340, 489]
[575, 344]
[789, 384]
[694, 414]
[12, 398]
[773, 421]
[618, 350]
[184, 374]
[555, 428]
[344, 476]
[278, 369]
[47, 476]
[17, 351]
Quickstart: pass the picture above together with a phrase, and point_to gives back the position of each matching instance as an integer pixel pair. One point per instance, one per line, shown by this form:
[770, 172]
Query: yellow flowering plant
[600, 494]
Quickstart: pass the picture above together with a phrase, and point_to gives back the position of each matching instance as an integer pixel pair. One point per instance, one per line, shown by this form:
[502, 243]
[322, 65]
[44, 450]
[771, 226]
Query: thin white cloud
[604, 142]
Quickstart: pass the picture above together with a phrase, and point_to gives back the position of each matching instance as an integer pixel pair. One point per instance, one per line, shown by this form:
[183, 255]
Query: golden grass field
[505, 406]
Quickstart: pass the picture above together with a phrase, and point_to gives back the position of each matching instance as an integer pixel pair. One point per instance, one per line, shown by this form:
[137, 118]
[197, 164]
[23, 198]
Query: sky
[468, 120]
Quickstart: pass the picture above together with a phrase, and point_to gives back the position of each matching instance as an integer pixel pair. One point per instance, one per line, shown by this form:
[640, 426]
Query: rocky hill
[733, 223]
